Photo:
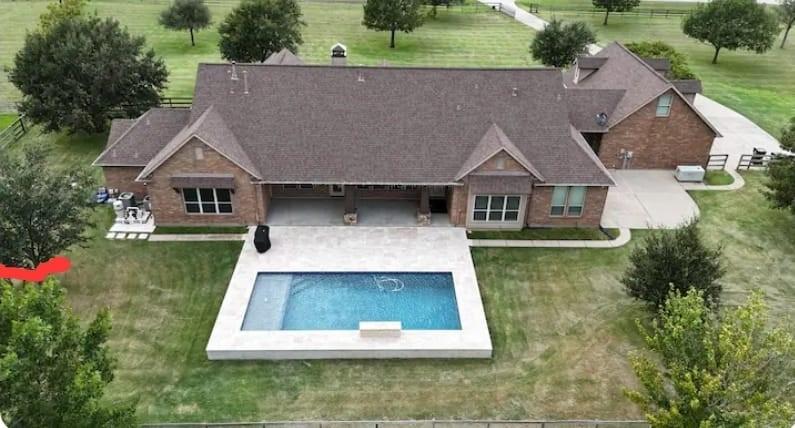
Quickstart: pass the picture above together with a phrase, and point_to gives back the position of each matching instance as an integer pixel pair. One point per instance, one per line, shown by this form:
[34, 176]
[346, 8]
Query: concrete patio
[647, 199]
[329, 212]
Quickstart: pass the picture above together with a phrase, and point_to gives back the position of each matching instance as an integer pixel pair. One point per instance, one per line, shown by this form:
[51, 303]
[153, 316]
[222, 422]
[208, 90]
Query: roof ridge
[380, 67]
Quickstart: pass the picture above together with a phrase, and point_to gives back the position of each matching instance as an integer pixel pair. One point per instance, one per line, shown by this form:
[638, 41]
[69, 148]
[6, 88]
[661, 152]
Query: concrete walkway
[198, 237]
[512, 9]
[623, 237]
[740, 134]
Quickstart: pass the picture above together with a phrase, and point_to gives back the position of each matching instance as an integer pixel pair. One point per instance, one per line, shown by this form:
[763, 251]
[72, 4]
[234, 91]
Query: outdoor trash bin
[262, 240]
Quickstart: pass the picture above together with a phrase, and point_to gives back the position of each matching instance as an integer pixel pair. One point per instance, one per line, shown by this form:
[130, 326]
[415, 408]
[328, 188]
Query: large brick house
[500, 148]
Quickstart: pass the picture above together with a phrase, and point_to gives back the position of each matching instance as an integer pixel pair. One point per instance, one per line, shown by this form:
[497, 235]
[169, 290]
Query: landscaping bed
[547, 233]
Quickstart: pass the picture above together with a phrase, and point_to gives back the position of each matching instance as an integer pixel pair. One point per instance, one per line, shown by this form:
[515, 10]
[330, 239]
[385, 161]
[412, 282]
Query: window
[567, 201]
[495, 208]
[207, 201]
[664, 105]
[199, 153]
[500, 163]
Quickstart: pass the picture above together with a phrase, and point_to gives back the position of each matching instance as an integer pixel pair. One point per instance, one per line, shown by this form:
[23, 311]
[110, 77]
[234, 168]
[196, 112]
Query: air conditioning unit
[690, 173]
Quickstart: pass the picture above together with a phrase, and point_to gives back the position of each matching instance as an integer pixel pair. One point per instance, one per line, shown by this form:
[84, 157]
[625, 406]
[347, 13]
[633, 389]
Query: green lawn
[465, 36]
[6, 119]
[560, 323]
[755, 85]
[555, 233]
[718, 178]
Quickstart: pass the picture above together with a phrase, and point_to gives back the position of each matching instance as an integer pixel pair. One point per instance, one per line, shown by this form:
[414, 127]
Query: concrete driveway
[647, 199]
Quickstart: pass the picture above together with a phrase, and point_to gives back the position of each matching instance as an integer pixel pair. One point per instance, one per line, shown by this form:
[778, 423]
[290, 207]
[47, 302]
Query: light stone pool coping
[353, 249]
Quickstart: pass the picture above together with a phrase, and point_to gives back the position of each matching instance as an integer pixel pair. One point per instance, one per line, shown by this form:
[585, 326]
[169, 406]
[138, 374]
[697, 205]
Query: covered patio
[329, 212]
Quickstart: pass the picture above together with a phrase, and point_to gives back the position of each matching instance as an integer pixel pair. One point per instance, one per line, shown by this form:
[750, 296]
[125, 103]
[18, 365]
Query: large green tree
[711, 371]
[392, 16]
[781, 172]
[559, 44]
[52, 370]
[659, 49]
[673, 260]
[732, 25]
[80, 71]
[786, 14]
[43, 210]
[191, 15]
[615, 6]
[255, 29]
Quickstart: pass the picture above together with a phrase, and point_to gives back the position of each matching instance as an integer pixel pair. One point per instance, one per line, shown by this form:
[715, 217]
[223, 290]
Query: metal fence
[717, 162]
[754, 161]
[13, 132]
[415, 424]
[651, 13]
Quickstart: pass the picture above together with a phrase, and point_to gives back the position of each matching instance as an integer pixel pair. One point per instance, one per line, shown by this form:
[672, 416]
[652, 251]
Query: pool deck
[353, 249]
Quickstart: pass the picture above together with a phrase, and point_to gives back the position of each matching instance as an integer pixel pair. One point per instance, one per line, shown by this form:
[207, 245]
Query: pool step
[268, 303]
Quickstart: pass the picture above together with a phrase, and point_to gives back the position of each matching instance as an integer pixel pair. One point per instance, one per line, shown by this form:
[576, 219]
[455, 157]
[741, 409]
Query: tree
[727, 372]
[64, 9]
[255, 29]
[52, 371]
[186, 15]
[781, 172]
[659, 49]
[732, 24]
[392, 16]
[78, 73]
[436, 3]
[673, 260]
[615, 6]
[786, 14]
[558, 44]
[43, 210]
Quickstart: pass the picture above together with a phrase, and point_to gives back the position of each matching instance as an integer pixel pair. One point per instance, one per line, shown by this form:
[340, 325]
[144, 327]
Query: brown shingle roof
[135, 142]
[688, 86]
[355, 125]
[494, 141]
[210, 128]
[586, 104]
[660, 65]
[283, 57]
[623, 69]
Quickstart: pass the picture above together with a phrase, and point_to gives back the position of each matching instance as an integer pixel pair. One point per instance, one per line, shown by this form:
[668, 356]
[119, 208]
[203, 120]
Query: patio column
[351, 216]
[424, 211]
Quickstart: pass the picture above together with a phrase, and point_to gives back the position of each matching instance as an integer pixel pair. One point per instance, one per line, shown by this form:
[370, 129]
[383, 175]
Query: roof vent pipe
[234, 72]
[515, 92]
[601, 119]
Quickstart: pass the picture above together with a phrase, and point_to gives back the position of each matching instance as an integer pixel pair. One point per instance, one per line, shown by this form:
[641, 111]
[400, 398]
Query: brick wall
[540, 205]
[167, 204]
[457, 197]
[659, 142]
[123, 178]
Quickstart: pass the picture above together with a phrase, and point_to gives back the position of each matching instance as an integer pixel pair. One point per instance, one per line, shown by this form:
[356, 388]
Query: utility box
[690, 173]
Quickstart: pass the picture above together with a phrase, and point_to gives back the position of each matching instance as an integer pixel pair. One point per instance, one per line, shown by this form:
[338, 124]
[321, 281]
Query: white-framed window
[664, 105]
[497, 208]
[207, 201]
[567, 201]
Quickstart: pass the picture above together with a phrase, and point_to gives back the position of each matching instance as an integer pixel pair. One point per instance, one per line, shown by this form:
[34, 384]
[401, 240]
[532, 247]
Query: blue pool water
[338, 301]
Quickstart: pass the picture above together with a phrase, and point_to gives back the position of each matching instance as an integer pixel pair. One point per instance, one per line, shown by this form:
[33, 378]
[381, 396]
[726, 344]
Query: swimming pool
[340, 300]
